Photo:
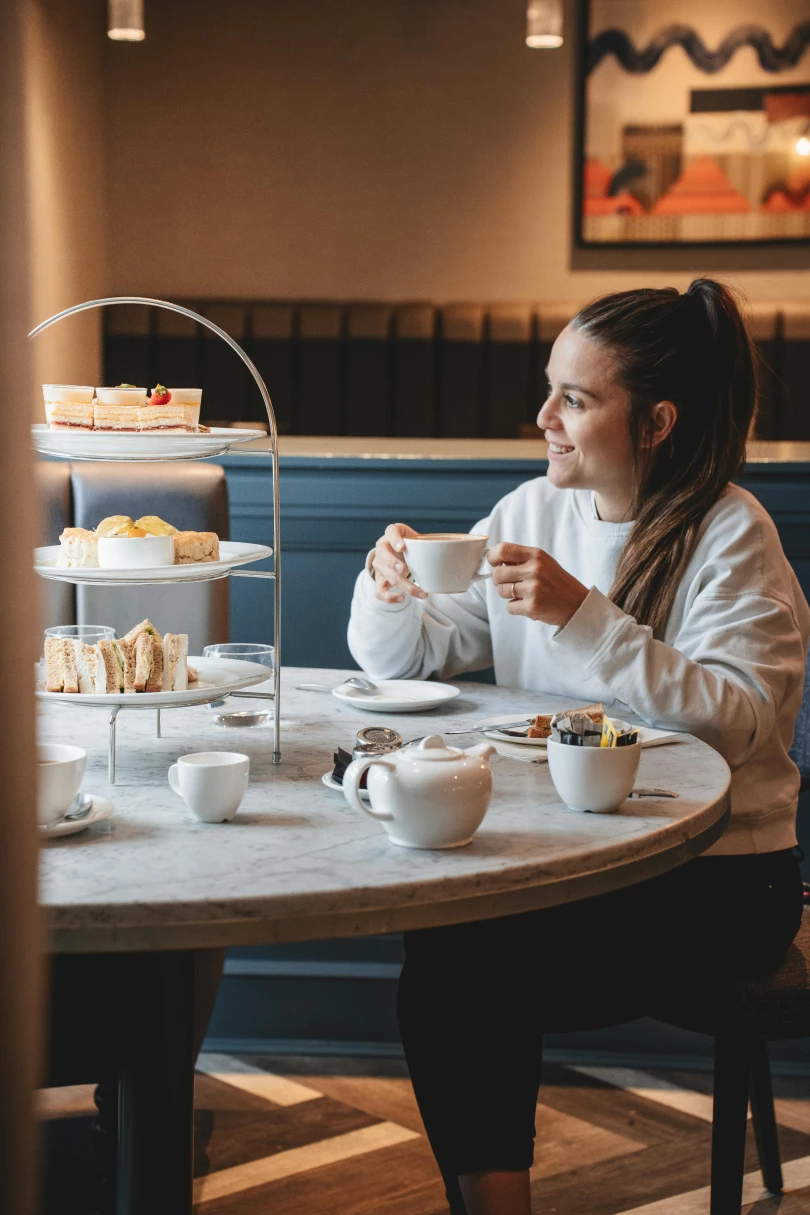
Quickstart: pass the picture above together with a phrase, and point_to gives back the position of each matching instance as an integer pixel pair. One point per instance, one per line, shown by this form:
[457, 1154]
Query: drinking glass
[248, 651]
[90, 633]
[253, 714]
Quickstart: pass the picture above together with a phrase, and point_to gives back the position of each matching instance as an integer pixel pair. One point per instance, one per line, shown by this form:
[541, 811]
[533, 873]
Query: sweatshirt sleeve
[442, 635]
[724, 679]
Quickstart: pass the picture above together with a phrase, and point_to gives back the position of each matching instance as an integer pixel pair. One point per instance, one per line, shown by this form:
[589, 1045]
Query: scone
[195, 546]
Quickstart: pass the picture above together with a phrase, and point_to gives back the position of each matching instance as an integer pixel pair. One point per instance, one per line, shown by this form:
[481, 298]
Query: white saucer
[100, 809]
[398, 696]
[648, 736]
[330, 782]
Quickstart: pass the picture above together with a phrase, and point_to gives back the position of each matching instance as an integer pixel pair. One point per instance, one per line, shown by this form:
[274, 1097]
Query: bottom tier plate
[218, 676]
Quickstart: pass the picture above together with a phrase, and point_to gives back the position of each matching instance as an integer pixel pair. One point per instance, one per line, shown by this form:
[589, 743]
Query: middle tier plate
[232, 553]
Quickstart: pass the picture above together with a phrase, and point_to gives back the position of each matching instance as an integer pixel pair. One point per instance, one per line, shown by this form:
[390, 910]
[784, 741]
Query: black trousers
[474, 999]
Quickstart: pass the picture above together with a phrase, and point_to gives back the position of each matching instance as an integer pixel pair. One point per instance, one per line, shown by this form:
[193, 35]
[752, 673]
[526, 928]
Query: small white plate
[100, 809]
[398, 696]
[330, 782]
[649, 737]
[217, 676]
[138, 445]
[231, 554]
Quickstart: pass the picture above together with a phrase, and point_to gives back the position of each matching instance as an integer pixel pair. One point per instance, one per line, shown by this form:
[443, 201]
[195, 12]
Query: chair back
[192, 496]
[57, 599]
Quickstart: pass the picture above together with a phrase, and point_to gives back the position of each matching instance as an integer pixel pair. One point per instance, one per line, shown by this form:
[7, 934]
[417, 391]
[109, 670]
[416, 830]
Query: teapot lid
[433, 748]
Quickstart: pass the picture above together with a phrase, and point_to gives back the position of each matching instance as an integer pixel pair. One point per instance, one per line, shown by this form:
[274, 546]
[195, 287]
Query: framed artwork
[693, 123]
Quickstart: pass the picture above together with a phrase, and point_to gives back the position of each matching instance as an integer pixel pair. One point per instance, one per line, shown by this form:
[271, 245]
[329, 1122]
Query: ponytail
[694, 350]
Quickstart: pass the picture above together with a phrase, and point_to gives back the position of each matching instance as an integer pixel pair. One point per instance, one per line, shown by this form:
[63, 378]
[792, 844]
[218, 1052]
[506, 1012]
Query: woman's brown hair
[692, 349]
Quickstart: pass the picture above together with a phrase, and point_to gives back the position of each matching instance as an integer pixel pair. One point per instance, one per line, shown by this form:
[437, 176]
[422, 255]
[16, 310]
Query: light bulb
[803, 145]
[125, 20]
[544, 24]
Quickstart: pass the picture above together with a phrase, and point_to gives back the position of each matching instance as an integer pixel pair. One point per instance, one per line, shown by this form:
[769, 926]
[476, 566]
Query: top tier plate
[132, 445]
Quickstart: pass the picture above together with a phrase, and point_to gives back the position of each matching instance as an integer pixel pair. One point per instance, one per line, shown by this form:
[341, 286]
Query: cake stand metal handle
[271, 420]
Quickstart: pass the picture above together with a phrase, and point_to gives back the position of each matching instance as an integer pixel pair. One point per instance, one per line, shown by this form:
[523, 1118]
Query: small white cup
[593, 778]
[211, 783]
[446, 562]
[60, 772]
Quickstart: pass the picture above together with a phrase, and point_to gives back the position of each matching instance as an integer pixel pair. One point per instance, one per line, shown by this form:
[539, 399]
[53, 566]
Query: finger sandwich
[175, 662]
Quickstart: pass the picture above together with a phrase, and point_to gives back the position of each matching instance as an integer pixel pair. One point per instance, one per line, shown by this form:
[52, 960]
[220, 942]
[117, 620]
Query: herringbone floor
[313, 1135]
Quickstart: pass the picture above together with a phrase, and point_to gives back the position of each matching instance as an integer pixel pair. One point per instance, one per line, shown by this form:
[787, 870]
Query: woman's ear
[663, 416]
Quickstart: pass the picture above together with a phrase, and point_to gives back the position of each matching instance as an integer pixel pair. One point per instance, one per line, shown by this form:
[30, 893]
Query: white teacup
[211, 783]
[593, 778]
[446, 562]
[60, 772]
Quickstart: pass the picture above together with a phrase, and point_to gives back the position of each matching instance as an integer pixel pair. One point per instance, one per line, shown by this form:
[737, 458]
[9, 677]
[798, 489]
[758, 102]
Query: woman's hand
[535, 585]
[391, 574]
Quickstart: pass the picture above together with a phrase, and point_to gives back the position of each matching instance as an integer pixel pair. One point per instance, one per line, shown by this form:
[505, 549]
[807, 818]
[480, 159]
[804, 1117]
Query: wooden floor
[285, 1136]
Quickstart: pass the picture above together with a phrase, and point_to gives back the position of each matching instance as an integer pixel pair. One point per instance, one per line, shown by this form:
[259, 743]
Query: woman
[635, 574]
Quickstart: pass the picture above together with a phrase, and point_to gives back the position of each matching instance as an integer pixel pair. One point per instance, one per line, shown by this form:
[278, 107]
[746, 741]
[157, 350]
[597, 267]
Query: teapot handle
[351, 786]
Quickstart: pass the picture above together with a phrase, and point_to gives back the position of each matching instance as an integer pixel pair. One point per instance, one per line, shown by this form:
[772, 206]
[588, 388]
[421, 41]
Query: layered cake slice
[171, 409]
[68, 406]
[118, 408]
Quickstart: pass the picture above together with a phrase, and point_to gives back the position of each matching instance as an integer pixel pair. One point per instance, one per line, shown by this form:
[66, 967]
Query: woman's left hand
[535, 584]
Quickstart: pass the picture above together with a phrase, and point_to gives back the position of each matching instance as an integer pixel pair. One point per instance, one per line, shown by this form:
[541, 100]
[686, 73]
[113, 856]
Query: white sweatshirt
[730, 670]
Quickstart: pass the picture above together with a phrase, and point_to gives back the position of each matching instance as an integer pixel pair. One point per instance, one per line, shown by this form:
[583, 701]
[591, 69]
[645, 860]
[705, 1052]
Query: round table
[297, 863]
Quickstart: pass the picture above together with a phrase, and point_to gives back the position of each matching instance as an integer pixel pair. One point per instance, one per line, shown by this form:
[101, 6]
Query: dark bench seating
[406, 369]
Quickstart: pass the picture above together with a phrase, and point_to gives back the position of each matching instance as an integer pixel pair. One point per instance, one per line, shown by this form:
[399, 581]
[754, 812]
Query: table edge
[241, 932]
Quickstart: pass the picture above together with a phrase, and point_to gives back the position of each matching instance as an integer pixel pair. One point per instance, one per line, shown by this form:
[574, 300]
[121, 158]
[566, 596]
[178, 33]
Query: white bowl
[60, 772]
[135, 552]
[593, 778]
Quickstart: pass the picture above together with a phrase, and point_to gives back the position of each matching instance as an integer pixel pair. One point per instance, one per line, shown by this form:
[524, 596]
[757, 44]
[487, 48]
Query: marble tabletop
[297, 863]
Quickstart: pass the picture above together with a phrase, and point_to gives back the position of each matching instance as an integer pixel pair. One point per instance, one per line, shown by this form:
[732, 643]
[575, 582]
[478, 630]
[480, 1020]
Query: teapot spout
[482, 750]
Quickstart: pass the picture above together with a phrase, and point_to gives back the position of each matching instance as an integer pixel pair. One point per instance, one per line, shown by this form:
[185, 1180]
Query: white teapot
[426, 796]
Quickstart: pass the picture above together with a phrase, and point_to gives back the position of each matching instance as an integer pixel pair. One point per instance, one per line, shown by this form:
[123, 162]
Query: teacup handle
[174, 780]
[351, 786]
[479, 576]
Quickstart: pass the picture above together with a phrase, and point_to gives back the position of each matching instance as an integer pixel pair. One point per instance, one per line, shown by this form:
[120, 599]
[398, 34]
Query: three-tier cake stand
[218, 442]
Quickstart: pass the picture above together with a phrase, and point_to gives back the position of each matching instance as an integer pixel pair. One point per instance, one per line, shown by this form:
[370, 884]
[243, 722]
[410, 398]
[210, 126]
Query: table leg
[157, 724]
[156, 1090]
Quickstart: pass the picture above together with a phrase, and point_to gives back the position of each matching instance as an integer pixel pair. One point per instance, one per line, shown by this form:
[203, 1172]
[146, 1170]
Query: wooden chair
[743, 1017]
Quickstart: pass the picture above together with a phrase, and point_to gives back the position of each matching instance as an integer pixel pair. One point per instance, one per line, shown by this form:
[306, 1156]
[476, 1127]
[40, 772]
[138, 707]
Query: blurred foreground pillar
[20, 944]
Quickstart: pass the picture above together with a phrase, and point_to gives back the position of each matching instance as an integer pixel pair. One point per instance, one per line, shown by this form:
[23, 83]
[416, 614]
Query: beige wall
[67, 211]
[411, 148]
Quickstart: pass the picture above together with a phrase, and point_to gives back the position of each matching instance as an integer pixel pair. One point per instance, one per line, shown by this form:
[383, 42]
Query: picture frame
[692, 130]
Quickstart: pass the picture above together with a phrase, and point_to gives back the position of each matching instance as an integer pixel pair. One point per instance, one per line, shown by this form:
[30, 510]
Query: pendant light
[544, 23]
[125, 20]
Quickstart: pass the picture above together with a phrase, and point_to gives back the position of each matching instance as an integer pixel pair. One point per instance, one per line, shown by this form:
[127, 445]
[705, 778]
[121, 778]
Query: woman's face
[586, 419]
